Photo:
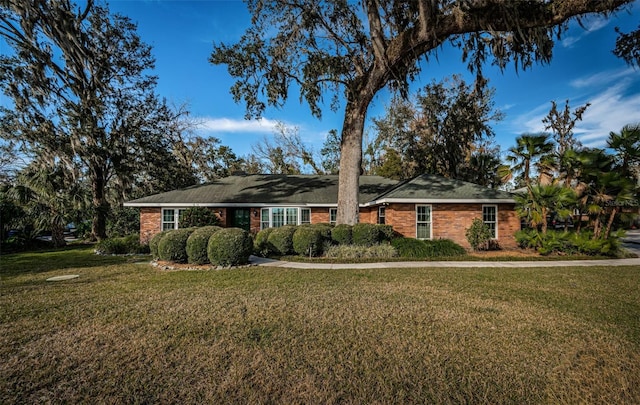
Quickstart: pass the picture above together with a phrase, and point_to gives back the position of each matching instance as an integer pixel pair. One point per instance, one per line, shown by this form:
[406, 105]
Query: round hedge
[282, 239]
[341, 234]
[197, 244]
[386, 233]
[261, 245]
[325, 229]
[230, 247]
[364, 234]
[308, 241]
[173, 246]
[153, 244]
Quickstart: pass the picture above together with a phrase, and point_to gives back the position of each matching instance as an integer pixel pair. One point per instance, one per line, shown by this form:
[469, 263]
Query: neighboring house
[425, 207]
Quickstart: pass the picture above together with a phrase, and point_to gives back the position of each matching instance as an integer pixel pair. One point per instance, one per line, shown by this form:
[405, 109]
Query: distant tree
[82, 96]
[285, 152]
[355, 49]
[207, 158]
[330, 153]
[439, 132]
[561, 124]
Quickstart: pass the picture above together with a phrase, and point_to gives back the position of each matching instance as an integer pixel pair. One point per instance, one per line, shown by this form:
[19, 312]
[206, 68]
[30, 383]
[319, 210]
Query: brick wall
[450, 221]
[150, 223]
[320, 215]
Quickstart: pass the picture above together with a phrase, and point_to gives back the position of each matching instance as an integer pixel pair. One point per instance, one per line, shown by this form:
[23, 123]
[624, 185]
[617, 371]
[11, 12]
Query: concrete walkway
[631, 242]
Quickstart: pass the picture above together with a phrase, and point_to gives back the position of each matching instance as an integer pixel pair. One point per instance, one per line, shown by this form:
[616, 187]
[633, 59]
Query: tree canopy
[83, 97]
[353, 50]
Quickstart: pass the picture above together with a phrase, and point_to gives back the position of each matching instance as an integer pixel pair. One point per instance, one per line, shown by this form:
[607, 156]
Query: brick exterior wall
[150, 223]
[449, 221]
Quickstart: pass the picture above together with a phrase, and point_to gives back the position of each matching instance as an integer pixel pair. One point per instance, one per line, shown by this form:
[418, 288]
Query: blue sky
[583, 70]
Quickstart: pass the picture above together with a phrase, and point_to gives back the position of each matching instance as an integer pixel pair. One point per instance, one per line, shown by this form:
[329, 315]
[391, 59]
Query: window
[490, 219]
[276, 217]
[381, 214]
[305, 215]
[171, 218]
[264, 218]
[292, 216]
[423, 221]
[333, 215]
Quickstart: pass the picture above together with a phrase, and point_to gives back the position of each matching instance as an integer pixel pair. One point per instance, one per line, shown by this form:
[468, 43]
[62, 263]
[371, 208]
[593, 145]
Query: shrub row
[322, 239]
[384, 251]
[314, 239]
[559, 242]
[123, 245]
[209, 244]
[416, 248]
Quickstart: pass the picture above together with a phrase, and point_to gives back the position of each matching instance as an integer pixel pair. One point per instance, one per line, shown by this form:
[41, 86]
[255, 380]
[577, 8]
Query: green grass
[129, 333]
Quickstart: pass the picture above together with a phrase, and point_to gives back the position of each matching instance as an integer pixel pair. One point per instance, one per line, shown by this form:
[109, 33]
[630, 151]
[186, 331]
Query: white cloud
[589, 25]
[612, 107]
[603, 78]
[609, 111]
[214, 125]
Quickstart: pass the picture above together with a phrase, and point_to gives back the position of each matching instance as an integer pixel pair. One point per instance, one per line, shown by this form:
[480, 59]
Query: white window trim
[298, 215]
[336, 216]
[430, 222]
[176, 217]
[495, 206]
[382, 209]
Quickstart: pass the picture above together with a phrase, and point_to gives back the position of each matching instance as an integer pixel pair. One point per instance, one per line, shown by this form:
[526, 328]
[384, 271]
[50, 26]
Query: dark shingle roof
[437, 188]
[321, 189]
[268, 189]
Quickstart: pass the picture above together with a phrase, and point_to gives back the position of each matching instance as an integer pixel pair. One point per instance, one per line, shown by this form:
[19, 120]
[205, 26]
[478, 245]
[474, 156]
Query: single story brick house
[425, 207]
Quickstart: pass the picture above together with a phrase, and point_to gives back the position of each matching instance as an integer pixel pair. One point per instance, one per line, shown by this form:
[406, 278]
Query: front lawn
[125, 332]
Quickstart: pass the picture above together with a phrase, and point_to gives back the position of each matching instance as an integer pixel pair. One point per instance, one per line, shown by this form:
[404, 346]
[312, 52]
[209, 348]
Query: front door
[242, 219]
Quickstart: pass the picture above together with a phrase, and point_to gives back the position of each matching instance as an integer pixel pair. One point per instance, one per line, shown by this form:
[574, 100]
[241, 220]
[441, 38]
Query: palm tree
[528, 150]
[50, 199]
[541, 201]
[626, 144]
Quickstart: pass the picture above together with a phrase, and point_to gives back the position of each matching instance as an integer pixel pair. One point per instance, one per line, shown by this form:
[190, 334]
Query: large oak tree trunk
[350, 162]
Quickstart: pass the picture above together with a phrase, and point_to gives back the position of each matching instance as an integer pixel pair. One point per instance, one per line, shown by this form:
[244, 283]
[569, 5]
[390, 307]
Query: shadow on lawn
[72, 256]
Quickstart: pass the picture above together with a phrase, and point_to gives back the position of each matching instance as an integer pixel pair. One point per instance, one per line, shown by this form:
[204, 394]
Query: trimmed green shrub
[416, 248]
[153, 243]
[341, 234]
[197, 244]
[384, 251]
[365, 234]
[386, 233]
[261, 245]
[173, 246]
[282, 239]
[120, 246]
[230, 247]
[325, 229]
[478, 235]
[308, 241]
[198, 217]
[410, 247]
[444, 247]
